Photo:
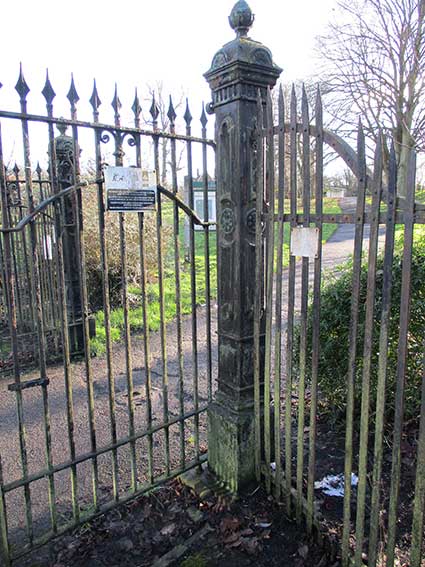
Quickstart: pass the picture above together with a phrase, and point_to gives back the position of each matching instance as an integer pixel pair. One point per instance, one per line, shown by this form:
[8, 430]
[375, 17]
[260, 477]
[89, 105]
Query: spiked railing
[43, 270]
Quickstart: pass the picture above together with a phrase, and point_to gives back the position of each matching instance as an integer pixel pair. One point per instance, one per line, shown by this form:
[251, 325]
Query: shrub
[93, 253]
[335, 326]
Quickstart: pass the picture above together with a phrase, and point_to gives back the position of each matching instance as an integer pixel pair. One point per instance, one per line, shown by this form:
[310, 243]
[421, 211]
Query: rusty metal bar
[367, 353]
[279, 286]
[104, 508]
[101, 127]
[119, 155]
[207, 256]
[176, 231]
[258, 298]
[4, 532]
[357, 262]
[383, 361]
[95, 102]
[401, 360]
[188, 120]
[81, 260]
[417, 544]
[291, 303]
[270, 197]
[315, 343]
[100, 451]
[304, 305]
[163, 331]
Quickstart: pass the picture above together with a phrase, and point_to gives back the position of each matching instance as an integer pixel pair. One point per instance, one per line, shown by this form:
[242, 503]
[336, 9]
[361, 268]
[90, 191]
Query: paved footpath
[336, 250]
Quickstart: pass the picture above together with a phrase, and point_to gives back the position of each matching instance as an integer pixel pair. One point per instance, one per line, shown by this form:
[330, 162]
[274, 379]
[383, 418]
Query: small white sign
[130, 189]
[305, 242]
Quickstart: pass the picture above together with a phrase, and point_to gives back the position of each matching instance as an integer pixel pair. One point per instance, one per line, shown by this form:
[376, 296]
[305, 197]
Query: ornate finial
[241, 18]
[21, 86]
[204, 119]
[94, 99]
[171, 112]
[62, 128]
[187, 115]
[48, 92]
[72, 95]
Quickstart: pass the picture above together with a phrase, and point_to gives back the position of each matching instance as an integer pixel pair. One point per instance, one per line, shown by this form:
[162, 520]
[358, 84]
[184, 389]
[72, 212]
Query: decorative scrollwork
[227, 220]
[251, 220]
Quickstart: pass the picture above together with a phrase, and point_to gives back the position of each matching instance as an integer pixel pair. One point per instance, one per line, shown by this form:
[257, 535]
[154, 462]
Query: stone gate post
[65, 165]
[239, 70]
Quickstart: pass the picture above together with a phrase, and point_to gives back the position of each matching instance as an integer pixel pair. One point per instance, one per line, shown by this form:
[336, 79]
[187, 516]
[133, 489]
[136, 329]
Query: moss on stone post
[239, 70]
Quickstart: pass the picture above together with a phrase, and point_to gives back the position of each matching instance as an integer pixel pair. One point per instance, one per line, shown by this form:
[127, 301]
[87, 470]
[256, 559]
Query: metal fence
[381, 519]
[80, 435]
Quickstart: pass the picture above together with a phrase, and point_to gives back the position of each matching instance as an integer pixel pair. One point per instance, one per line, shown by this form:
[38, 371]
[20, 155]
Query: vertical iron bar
[357, 263]
[367, 352]
[4, 538]
[51, 479]
[419, 501]
[304, 306]
[192, 235]
[270, 191]
[315, 343]
[258, 304]
[207, 256]
[119, 155]
[163, 329]
[383, 359]
[401, 358]
[85, 308]
[146, 338]
[176, 232]
[291, 303]
[34, 263]
[278, 313]
[95, 101]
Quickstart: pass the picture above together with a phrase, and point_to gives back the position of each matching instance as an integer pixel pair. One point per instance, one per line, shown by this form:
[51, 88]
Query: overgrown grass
[98, 343]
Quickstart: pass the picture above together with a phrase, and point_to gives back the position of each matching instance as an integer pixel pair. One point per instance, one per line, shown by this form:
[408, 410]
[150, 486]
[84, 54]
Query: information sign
[130, 189]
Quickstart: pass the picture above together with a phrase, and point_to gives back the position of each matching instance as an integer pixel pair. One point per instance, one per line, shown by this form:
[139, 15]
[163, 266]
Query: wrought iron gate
[89, 433]
[291, 215]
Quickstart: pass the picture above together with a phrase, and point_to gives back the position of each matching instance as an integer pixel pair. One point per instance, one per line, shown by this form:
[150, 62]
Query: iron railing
[90, 433]
[288, 381]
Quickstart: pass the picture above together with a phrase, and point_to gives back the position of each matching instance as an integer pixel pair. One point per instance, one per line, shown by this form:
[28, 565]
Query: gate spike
[171, 112]
[38, 169]
[16, 169]
[72, 95]
[136, 108]
[94, 99]
[116, 103]
[21, 86]
[48, 92]
[304, 107]
[187, 115]
[154, 110]
[204, 119]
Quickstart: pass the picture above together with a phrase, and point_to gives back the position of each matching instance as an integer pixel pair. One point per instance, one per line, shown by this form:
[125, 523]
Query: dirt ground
[172, 527]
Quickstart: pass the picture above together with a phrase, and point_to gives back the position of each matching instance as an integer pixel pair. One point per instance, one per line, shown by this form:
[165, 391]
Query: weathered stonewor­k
[239, 70]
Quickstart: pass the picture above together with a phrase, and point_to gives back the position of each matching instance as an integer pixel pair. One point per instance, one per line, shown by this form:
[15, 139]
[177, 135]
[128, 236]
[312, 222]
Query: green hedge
[335, 327]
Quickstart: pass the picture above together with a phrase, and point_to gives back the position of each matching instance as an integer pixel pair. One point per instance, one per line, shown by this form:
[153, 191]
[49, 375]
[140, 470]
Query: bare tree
[162, 103]
[374, 67]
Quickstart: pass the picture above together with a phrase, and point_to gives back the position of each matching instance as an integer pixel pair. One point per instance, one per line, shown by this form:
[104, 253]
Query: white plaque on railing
[305, 242]
[130, 189]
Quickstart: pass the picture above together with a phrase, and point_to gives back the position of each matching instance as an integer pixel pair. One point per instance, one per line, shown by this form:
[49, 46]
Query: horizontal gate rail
[368, 525]
[51, 220]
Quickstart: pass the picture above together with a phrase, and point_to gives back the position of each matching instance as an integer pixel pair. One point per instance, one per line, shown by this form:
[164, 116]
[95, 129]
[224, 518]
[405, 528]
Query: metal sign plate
[305, 242]
[130, 189]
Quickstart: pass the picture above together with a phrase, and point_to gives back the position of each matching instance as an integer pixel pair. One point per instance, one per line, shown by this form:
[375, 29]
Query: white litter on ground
[333, 485]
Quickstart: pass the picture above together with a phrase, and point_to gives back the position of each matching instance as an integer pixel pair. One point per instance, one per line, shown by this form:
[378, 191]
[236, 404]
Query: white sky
[138, 42]
[134, 42]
